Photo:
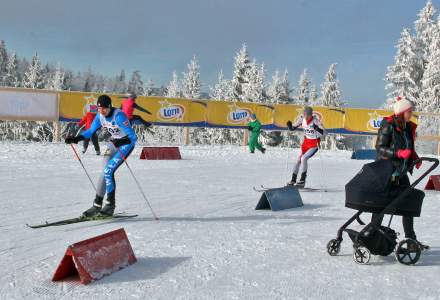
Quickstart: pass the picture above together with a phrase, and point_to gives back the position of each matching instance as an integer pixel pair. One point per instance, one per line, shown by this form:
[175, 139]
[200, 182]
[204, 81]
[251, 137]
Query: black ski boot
[98, 152]
[293, 181]
[302, 180]
[109, 208]
[95, 209]
[263, 150]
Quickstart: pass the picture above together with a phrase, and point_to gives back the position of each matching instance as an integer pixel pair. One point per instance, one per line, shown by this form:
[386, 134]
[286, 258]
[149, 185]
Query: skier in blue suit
[122, 142]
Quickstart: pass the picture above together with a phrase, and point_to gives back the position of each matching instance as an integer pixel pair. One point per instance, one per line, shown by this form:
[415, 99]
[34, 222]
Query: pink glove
[403, 153]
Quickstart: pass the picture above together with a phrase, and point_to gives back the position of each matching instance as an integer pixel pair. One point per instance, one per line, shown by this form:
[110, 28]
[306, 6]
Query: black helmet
[104, 101]
[308, 111]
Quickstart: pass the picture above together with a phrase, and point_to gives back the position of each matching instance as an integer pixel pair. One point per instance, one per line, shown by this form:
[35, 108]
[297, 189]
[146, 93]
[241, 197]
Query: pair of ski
[82, 219]
[263, 188]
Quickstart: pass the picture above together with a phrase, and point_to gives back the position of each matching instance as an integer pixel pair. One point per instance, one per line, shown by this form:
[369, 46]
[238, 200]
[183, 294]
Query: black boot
[109, 207]
[263, 150]
[302, 180]
[95, 209]
[293, 181]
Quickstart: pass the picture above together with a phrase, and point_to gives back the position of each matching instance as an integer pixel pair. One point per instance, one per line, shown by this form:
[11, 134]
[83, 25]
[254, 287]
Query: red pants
[308, 144]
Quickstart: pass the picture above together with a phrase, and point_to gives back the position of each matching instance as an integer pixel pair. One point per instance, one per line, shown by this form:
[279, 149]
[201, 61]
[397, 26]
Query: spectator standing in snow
[396, 141]
[87, 121]
[129, 105]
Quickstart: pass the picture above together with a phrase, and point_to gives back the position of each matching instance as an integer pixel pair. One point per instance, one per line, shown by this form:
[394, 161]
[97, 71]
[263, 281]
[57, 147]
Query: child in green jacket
[254, 126]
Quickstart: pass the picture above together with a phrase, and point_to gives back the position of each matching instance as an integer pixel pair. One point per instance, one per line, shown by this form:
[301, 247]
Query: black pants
[139, 119]
[95, 142]
[407, 222]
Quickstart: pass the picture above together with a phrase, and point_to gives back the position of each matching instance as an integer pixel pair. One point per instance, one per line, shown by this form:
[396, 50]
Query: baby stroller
[369, 191]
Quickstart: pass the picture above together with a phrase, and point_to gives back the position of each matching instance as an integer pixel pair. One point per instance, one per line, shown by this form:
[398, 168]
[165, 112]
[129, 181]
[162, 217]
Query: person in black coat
[396, 141]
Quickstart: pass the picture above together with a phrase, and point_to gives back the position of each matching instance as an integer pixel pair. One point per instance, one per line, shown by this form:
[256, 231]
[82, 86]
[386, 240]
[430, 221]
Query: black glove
[250, 128]
[290, 126]
[74, 139]
[316, 127]
[121, 142]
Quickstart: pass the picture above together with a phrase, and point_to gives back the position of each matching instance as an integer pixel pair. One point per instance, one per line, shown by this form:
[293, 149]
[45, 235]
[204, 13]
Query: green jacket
[255, 126]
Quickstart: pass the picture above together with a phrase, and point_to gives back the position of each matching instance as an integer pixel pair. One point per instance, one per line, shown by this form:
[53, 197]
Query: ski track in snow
[210, 243]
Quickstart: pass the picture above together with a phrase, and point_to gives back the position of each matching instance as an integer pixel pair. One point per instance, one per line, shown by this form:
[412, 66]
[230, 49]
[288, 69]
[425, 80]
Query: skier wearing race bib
[313, 131]
[122, 142]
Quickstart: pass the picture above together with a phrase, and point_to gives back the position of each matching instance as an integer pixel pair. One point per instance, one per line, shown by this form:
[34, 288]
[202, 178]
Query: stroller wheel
[333, 247]
[361, 255]
[408, 252]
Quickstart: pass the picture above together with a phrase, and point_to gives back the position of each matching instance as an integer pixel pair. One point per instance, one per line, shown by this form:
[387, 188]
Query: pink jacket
[128, 107]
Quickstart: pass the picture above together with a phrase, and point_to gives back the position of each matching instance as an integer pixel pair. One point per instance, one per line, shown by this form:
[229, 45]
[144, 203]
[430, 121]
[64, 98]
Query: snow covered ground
[210, 243]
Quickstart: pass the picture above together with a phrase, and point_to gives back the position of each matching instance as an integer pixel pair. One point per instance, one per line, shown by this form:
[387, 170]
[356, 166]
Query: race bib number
[113, 130]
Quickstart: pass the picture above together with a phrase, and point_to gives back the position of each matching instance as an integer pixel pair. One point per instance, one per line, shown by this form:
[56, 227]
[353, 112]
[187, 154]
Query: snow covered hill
[210, 243]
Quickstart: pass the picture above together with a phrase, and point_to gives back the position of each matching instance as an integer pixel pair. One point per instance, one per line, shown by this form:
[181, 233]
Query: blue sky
[158, 37]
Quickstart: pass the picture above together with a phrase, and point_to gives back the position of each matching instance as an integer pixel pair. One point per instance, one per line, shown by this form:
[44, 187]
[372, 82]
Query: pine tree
[430, 100]
[313, 95]
[3, 59]
[173, 88]
[242, 65]
[47, 73]
[120, 86]
[89, 80]
[33, 77]
[304, 88]
[191, 84]
[274, 90]
[424, 30]
[279, 89]
[99, 85]
[56, 82]
[67, 82]
[285, 88]
[136, 85]
[330, 91]
[12, 75]
[253, 90]
[331, 97]
[149, 88]
[222, 90]
[430, 95]
[404, 76]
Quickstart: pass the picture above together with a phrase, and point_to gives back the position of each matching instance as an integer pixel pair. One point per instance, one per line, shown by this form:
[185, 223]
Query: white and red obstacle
[96, 257]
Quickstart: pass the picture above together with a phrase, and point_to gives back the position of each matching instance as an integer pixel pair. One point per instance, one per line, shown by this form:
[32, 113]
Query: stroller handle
[435, 163]
[392, 206]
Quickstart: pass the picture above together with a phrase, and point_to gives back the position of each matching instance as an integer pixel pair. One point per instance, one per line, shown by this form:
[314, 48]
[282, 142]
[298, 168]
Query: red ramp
[160, 153]
[433, 183]
[96, 257]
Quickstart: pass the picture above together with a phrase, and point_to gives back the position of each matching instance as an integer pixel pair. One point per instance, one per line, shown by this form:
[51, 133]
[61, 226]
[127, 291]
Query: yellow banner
[365, 121]
[205, 113]
[236, 114]
[164, 111]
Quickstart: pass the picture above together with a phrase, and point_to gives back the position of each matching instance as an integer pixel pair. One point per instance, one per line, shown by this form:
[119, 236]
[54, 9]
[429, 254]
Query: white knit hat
[402, 105]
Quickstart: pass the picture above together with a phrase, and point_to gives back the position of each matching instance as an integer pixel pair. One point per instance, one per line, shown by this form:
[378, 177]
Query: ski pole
[138, 184]
[79, 130]
[84, 168]
[322, 167]
[286, 171]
